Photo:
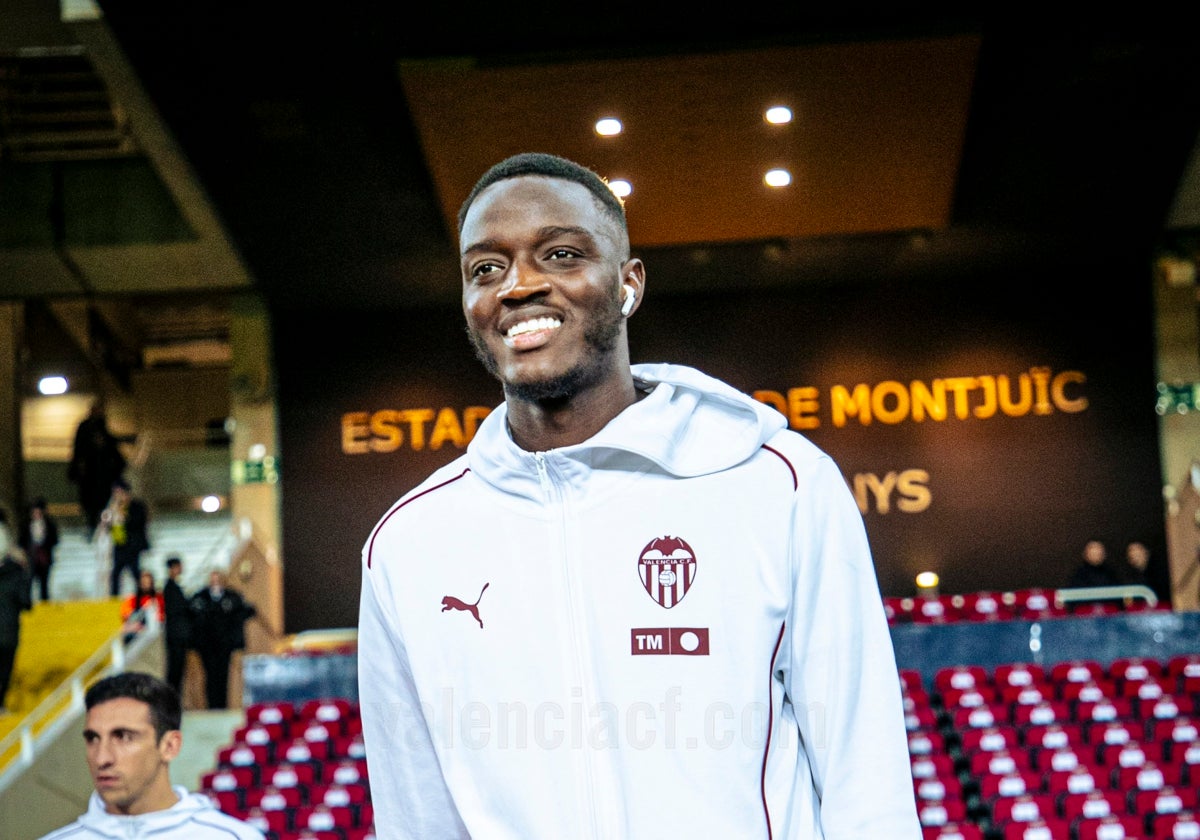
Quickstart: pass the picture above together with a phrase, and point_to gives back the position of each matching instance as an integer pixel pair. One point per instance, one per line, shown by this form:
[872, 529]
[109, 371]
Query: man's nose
[523, 281]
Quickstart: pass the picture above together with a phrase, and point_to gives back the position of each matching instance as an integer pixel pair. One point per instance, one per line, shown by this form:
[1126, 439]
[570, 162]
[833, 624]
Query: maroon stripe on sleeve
[782, 457]
[379, 527]
[762, 782]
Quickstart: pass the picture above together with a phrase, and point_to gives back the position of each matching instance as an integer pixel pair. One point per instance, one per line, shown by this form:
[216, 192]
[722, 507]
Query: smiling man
[132, 736]
[638, 606]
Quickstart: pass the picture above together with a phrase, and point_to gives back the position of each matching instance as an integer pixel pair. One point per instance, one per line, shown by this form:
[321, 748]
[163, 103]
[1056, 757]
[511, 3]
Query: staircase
[202, 541]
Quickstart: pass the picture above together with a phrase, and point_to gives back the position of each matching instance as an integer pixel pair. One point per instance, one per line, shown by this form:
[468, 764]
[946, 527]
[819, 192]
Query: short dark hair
[172, 562]
[549, 166]
[166, 710]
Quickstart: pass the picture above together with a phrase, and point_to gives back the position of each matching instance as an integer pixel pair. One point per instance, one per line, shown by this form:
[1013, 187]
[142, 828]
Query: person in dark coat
[15, 598]
[96, 462]
[127, 519]
[177, 631]
[219, 616]
[39, 537]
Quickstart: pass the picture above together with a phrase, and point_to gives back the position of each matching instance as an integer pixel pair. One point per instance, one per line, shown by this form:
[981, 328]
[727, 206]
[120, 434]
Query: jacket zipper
[582, 660]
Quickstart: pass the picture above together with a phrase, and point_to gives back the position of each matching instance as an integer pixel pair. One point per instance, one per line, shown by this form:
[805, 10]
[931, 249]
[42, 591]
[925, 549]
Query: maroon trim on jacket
[762, 781]
[379, 527]
[782, 457]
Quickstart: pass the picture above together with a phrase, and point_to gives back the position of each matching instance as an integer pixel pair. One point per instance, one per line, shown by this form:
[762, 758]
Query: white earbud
[630, 298]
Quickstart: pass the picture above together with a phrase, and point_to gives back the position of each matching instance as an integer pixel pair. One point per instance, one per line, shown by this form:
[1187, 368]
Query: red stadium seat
[1181, 729]
[1041, 714]
[1033, 604]
[1053, 736]
[229, 801]
[1091, 805]
[321, 730]
[229, 778]
[271, 798]
[1148, 776]
[328, 709]
[960, 677]
[1167, 800]
[1135, 668]
[1082, 779]
[346, 771]
[933, 610]
[937, 789]
[1166, 707]
[1131, 754]
[1111, 709]
[1050, 828]
[1076, 671]
[364, 832]
[1016, 783]
[1104, 733]
[971, 697]
[999, 762]
[350, 746]
[276, 823]
[926, 742]
[932, 812]
[1027, 695]
[981, 717]
[1087, 691]
[953, 831]
[1181, 826]
[300, 750]
[911, 680]
[260, 734]
[280, 712]
[287, 775]
[243, 755]
[325, 818]
[338, 795]
[920, 717]
[1184, 665]
[1115, 827]
[990, 738]
[1025, 808]
[1018, 674]
[931, 766]
[1061, 759]
[981, 606]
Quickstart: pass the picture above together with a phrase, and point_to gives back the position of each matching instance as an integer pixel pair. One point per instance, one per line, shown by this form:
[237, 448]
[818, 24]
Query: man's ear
[170, 744]
[633, 276]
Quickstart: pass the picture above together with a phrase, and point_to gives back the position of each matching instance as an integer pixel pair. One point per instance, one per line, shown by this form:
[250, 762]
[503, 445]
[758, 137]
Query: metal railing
[46, 721]
[1108, 593]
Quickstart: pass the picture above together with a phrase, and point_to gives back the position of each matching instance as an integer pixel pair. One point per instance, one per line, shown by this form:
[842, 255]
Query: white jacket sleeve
[408, 791]
[840, 671]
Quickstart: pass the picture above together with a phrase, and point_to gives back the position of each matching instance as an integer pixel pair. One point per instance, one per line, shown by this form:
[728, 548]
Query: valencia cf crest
[667, 567]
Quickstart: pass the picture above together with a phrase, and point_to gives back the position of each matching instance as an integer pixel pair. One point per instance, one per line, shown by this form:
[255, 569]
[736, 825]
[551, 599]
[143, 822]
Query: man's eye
[561, 254]
[484, 269]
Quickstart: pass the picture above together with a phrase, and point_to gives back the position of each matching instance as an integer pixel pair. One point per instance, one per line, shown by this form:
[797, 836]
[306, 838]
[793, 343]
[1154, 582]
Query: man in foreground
[637, 606]
[132, 736]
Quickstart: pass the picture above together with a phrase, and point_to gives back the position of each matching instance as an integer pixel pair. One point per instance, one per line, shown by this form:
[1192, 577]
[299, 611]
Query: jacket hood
[688, 425]
[144, 825]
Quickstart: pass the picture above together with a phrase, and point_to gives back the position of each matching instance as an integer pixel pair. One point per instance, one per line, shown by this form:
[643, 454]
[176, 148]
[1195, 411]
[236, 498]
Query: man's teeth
[533, 326]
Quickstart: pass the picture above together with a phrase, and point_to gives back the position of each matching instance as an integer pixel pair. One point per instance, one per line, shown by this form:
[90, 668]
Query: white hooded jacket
[671, 629]
[193, 817]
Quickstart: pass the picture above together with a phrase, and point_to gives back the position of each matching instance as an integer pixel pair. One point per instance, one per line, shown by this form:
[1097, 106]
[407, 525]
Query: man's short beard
[601, 338]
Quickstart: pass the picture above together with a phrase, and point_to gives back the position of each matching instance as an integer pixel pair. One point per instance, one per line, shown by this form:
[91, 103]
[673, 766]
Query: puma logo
[452, 603]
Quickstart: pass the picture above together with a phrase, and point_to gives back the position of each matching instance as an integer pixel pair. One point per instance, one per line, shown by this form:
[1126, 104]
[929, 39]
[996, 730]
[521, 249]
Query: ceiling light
[51, 385]
[620, 187]
[778, 115]
[609, 127]
[210, 504]
[777, 178]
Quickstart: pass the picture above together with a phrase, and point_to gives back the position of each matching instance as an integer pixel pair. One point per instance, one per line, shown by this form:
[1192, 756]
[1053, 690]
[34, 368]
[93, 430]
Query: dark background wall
[991, 502]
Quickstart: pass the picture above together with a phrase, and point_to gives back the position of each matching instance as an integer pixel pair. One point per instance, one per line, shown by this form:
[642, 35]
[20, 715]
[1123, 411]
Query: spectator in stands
[1137, 558]
[96, 462]
[135, 608]
[127, 520]
[1094, 569]
[132, 734]
[15, 598]
[177, 617]
[219, 616]
[500, 578]
[39, 538]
